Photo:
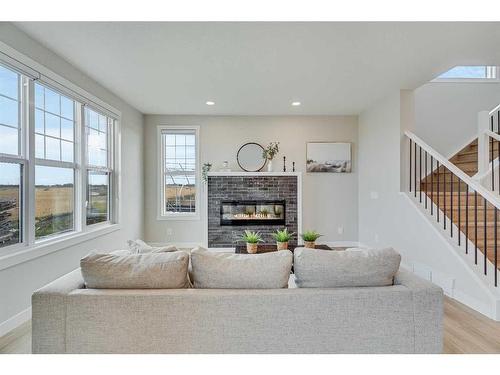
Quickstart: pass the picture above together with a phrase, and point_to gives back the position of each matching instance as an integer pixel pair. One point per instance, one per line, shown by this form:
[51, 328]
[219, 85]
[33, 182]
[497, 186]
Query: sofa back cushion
[357, 267]
[136, 271]
[213, 270]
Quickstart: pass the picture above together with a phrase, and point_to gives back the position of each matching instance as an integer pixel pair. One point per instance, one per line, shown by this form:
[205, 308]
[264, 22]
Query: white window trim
[471, 80]
[29, 248]
[161, 215]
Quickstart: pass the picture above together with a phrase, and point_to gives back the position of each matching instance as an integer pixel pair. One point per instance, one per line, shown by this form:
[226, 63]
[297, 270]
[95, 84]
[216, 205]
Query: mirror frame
[238, 156]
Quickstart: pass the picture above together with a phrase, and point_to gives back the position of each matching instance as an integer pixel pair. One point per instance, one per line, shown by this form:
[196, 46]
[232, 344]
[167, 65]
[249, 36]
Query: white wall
[446, 113]
[329, 200]
[18, 282]
[392, 219]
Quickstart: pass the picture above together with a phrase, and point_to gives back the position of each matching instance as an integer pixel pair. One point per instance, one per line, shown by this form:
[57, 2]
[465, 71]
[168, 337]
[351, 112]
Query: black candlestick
[293, 166]
[284, 163]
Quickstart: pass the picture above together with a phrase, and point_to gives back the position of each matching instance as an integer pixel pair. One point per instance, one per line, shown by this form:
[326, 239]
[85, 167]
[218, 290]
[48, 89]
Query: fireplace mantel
[254, 174]
[229, 185]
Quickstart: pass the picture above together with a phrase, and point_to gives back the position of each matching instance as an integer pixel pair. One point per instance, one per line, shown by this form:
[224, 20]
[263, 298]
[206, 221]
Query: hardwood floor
[465, 331]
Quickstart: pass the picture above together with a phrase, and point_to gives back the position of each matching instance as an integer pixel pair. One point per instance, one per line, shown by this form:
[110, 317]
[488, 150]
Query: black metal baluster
[415, 170]
[491, 157]
[420, 173]
[451, 204]
[437, 210]
[411, 144]
[498, 148]
[426, 181]
[475, 227]
[432, 185]
[467, 219]
[444, 197]
[485, 238]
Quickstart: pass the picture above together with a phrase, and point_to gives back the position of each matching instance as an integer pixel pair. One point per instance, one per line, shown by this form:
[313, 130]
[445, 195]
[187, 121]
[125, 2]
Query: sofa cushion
[136, 271]
[141, 247]
[357, 267]
[213, 270]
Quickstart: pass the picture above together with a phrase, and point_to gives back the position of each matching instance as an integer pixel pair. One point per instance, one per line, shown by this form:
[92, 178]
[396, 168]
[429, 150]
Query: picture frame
[328, 157]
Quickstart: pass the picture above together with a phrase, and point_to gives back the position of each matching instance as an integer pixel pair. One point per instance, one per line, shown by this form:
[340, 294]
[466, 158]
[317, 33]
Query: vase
[252, 248]
[269, 165]
[310, 244]
[282, 245]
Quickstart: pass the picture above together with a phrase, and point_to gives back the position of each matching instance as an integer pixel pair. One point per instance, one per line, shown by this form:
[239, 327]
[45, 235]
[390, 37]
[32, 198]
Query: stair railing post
[483, 144]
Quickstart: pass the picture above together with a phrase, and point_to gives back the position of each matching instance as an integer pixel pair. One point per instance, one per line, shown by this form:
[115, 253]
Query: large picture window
[179, 172]
[56, 160]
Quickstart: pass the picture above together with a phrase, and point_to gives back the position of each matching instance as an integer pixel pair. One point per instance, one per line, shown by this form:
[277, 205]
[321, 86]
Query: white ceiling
[260, 68]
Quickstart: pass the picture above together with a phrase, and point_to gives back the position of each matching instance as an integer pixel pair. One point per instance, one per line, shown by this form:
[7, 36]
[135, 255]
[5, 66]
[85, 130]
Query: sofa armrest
[49, 313]
[427, 311]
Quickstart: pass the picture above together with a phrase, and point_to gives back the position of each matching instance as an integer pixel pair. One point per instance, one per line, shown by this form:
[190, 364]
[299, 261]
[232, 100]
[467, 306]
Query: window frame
[30, 72]
[495, 79]
[109, 169]
[161, 213]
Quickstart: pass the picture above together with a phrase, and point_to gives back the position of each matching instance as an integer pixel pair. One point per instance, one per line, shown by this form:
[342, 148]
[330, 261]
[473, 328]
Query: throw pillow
[213, 270]
[357, 267]
[136, 271]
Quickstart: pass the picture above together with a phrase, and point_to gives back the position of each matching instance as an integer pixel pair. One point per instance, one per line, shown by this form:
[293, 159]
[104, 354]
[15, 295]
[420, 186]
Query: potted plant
[310, 237]
[269, 153]
[252, 239]
[282, 237]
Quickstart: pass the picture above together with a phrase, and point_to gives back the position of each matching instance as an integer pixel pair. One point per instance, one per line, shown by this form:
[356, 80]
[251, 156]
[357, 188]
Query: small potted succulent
[252, 239]
[282, 237]
[310, 237]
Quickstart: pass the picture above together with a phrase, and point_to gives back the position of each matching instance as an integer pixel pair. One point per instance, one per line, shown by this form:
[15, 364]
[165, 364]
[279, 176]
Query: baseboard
[15, 321]
[473, 303]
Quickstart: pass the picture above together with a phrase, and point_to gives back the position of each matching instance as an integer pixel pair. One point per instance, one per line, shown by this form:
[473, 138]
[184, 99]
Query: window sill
[193, 217]
[24, 254]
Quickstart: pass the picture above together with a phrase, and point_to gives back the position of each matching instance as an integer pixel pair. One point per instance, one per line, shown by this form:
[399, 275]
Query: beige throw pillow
[213, 270]
[356, 267]
[136, 271]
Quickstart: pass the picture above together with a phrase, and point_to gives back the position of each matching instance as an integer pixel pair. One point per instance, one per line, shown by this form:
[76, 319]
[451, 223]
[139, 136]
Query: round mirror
[250, 158]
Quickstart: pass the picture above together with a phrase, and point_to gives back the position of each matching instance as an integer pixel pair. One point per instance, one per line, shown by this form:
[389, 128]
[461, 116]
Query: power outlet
[376, 237]
[340, 230]
[170, 232]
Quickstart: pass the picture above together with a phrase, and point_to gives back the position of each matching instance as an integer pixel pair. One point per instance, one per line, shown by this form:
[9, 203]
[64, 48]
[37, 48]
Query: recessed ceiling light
[209, 102]
[296, 104]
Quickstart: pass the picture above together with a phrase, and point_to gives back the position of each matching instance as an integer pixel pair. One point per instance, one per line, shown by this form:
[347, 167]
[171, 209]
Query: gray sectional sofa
[402, 318]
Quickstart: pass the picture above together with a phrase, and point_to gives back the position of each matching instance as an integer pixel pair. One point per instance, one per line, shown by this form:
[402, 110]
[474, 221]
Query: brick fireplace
[263, 201]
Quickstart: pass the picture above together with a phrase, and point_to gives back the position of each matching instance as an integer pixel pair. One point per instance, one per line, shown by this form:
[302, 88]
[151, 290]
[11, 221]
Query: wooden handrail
[476, 186]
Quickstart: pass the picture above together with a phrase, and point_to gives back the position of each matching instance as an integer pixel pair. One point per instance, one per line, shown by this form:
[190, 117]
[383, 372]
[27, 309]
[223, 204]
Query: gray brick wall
[221, 188]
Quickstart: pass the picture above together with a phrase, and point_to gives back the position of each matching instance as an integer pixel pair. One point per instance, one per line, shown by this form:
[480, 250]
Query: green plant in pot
[310, 237]
[252, 239]
[282, 237]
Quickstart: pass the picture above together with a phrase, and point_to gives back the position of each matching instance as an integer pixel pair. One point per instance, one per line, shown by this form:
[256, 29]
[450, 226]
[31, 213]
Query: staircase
[461, 205]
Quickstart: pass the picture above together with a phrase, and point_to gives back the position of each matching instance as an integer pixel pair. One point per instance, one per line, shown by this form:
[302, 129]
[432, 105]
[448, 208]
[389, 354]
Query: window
[11, 161]
[469, 73]
[98, 130]
[179, 193]
[55, 167]
[57, 157]
[10, 203]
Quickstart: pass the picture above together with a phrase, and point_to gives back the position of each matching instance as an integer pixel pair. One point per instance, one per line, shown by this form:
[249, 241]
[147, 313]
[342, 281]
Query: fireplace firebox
[252, 212]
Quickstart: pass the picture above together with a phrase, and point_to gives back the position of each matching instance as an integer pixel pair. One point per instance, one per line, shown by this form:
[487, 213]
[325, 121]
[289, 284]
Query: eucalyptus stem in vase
[269, 153]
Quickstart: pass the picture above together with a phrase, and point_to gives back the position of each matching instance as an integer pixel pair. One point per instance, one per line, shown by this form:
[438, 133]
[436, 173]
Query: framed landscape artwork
[329, 157]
